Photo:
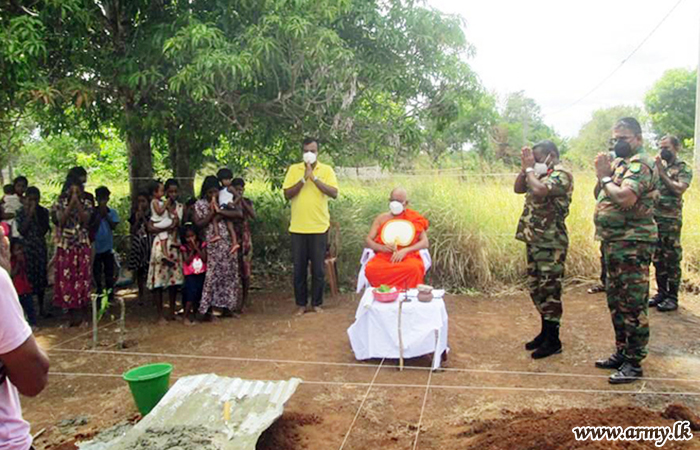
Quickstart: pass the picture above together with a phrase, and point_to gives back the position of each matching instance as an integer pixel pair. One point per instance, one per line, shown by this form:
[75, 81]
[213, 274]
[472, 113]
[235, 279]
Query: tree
[521, 124]
[362, 75]
[594, 135]
[671, 104]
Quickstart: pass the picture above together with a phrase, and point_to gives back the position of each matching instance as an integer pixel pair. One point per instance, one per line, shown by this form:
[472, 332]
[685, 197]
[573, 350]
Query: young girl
[194, 252]
[21, 282]
[160, 216]
[140, 252]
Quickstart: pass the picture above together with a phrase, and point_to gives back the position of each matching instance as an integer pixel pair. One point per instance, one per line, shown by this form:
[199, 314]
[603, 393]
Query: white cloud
[557, 51]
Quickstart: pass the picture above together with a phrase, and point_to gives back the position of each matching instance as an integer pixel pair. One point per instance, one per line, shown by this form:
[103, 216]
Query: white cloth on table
[368, 254]
[375, 333]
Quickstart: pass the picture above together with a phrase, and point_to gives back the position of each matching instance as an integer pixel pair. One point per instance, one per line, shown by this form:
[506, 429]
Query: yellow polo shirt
[310, 206]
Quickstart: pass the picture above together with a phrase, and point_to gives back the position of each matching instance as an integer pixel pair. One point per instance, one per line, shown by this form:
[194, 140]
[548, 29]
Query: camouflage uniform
[542, 227]
[629, 236]
[669, 218]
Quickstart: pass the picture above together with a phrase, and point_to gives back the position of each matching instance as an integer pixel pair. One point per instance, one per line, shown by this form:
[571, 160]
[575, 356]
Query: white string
[438, 386]
[422, 409]
[82, 335]
[357, 414]
[363, 365]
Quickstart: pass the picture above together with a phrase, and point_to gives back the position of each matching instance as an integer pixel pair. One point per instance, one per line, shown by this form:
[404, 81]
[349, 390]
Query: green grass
[472, 226]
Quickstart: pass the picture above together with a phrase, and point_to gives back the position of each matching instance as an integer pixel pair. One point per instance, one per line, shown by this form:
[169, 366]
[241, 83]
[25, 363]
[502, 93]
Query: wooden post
[122, 323]
[94, 321]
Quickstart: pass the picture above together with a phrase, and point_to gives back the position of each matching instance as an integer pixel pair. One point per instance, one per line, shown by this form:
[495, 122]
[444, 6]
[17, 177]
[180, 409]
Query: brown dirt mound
[284, 433]
[681, 412]
[552, 430]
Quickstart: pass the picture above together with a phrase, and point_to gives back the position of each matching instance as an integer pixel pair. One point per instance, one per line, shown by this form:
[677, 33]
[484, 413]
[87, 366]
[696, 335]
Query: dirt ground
[491, 395]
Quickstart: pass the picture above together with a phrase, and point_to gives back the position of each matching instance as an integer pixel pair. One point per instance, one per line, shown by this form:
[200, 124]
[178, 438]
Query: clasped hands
[396, 254]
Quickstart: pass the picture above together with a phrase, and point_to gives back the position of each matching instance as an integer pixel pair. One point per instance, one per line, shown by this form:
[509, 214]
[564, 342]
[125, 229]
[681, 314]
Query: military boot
[670, 303]
[661, 291]
[551, 344]
[614, 361]
[538, 340]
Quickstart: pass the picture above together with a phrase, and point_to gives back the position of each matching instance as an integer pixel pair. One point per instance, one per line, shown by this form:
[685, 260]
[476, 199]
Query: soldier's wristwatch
[529, 169]
[605, 180]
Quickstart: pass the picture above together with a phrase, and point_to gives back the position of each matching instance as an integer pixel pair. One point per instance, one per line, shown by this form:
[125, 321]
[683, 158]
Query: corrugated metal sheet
[208, 412]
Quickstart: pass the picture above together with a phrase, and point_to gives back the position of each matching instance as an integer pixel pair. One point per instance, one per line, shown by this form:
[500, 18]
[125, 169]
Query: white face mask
[309, 157]
[541, 169]
[396, 208]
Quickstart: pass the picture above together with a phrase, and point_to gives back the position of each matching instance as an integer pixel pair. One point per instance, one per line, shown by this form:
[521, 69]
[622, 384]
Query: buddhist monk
[397, 263]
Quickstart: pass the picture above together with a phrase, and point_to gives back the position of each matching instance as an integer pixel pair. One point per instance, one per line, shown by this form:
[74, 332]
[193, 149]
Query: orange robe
[408, 273]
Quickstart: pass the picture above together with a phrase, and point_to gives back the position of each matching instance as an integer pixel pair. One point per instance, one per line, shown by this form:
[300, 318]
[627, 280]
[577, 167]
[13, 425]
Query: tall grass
[473, 219]
[472, 227]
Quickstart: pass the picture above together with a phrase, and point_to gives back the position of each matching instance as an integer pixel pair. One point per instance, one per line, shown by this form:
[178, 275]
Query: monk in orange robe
[396, 265]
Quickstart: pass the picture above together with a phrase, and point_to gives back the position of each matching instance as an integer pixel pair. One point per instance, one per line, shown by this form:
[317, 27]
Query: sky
[558, 50]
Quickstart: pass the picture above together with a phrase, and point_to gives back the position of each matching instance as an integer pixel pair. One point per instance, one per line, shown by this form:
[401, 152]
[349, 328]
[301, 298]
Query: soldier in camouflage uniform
[548, 188]
[624, 219]
[674, 178]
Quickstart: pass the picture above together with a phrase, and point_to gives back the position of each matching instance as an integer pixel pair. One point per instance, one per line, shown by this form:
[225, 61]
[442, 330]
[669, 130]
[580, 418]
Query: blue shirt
[104, 241]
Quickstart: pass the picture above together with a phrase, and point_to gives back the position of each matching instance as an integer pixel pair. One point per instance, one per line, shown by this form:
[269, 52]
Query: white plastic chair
[368, 254]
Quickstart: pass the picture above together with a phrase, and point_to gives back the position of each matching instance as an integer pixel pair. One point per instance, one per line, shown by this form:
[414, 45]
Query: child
[105, 220]
[11, 203]
[140, 251]
[194, 268]
[161, 217]
[227, 197]
[21, 282]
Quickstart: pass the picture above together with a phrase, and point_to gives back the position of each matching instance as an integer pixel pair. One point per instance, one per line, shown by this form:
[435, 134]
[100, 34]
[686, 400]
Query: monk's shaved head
[399, 194]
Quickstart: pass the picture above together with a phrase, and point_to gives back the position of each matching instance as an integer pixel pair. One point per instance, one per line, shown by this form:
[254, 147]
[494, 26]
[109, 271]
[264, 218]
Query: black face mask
[622, 149]
[666, 155]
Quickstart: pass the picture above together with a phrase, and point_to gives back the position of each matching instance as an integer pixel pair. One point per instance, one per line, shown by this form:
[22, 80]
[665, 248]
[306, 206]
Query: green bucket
[148, 385]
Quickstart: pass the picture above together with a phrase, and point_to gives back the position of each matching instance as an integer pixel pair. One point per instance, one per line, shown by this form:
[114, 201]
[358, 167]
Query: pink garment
[195, 266]
[14, 331]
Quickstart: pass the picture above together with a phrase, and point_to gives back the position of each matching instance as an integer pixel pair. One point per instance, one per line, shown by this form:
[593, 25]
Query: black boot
[670, 303]
[551, 344]
[539, 339]
[615, 361]
[661, 290]
[628, 373]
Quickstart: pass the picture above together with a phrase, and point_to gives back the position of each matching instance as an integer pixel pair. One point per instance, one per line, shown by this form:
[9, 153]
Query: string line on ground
[364, 399]
[440, 386]
[422, 410]
[362, 365]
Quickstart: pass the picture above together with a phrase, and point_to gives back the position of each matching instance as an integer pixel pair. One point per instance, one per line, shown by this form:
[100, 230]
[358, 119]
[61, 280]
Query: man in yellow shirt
[308, 185]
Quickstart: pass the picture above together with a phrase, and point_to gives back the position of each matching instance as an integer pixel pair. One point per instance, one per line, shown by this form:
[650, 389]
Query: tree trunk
[184, 170]
[138, 144]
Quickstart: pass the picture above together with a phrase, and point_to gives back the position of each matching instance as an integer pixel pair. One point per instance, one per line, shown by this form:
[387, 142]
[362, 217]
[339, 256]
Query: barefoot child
[160, 216]
[227, 197]
[194, 251]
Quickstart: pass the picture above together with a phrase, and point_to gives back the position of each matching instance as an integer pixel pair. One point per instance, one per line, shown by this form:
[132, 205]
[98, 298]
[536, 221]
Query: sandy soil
[490, 383]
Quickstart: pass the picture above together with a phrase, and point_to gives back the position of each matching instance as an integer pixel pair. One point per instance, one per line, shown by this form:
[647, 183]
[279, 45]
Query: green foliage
[594, 135]
[671, 104]
[521, 124]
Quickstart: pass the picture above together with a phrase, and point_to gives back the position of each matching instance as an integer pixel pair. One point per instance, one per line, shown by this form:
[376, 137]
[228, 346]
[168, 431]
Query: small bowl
[425, 297]
[386, 297]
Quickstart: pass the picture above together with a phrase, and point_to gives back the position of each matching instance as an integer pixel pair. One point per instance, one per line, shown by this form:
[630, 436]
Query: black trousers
[104, 266]
[305, 248]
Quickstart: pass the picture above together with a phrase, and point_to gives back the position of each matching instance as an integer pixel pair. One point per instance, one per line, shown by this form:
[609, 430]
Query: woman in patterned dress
[33, 223]
[245, 238]
[165, 271]
[222, 286]
[73, 278]
[140, 249]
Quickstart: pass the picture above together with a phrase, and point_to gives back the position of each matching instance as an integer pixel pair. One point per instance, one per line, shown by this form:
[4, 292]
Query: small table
[375, 333]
